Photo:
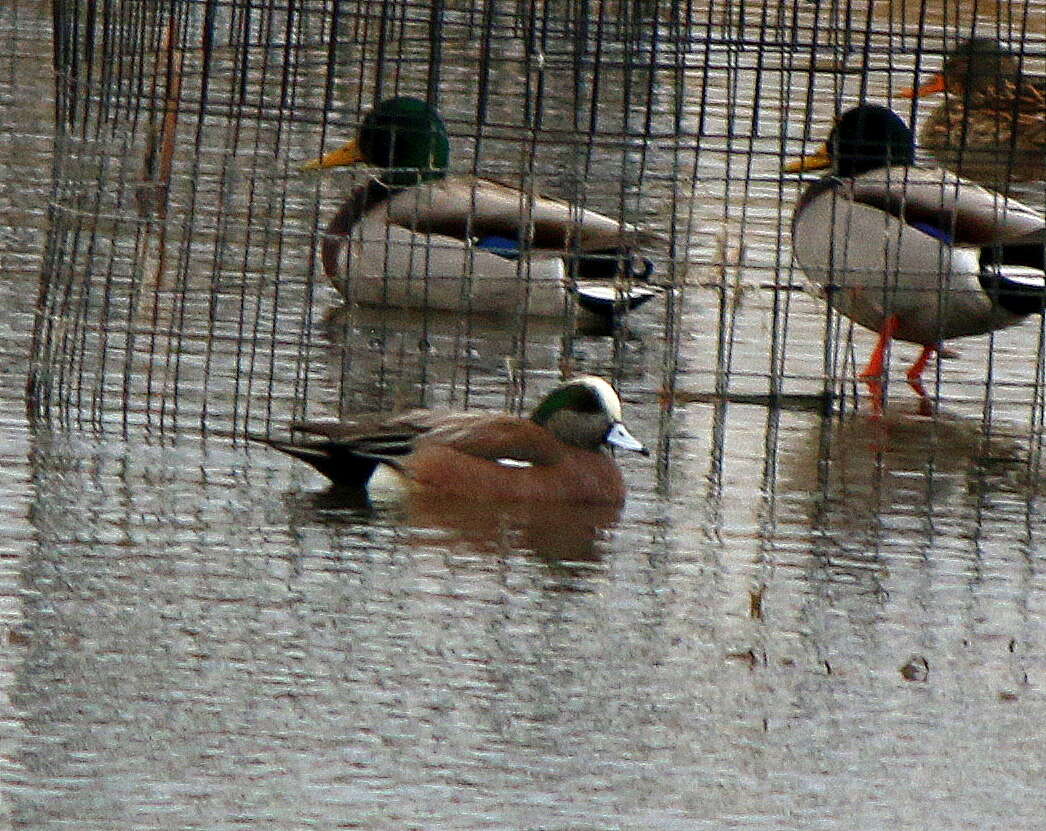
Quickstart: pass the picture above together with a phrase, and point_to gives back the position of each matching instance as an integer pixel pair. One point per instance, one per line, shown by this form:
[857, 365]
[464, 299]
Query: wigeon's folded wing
[407, 423]
[377, 439]
[348, 452]
[506, 440]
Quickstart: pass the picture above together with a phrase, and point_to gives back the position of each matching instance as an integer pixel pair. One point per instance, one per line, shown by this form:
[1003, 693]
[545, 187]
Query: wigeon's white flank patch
[510, 462]
[386, 484]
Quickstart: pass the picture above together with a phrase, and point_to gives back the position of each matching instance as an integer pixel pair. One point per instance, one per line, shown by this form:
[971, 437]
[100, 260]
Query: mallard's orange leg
[873, 373]
[915, 378]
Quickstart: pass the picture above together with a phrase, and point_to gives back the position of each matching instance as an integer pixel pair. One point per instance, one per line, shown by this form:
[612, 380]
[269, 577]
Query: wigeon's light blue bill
[618, 436]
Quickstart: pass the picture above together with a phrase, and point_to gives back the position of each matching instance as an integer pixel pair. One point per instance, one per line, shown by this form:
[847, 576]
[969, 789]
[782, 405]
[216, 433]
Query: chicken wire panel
[182, 277]
[183, 254]
[25, 141]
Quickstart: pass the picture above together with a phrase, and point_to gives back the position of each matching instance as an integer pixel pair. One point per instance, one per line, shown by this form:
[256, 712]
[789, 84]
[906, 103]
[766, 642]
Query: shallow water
[796, 621]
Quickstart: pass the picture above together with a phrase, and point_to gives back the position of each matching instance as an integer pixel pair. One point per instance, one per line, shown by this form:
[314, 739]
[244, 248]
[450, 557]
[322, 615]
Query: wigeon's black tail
[338, 461]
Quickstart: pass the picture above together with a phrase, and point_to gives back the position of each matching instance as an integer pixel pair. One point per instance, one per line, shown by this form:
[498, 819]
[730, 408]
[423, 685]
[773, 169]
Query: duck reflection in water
[866, 476]
[559, 534]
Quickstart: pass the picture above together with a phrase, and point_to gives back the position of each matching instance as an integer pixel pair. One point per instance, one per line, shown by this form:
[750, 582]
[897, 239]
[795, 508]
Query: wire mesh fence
[25, 141]
[854, 587]
[183, 283]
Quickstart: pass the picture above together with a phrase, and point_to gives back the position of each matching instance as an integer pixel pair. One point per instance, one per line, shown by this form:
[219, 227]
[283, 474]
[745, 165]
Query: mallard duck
[918, 255]
[555, 455]
[418, 236]
[991, 126]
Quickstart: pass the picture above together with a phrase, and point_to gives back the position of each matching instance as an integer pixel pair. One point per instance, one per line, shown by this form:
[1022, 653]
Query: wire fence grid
[181, 285]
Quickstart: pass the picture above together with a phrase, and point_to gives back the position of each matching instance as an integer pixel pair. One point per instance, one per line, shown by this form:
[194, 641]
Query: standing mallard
[991, 126]
[418, 237]
[915, 254]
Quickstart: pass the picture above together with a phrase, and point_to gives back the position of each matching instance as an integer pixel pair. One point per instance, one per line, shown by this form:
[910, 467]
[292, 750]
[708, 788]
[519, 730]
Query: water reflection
[559, 534]
[903, 484]
[949, 452]
[393, 359]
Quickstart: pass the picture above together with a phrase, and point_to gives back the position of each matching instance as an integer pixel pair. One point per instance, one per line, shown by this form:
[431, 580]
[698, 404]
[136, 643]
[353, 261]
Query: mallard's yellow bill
[815, 161]
[934, 85]
[346, 155]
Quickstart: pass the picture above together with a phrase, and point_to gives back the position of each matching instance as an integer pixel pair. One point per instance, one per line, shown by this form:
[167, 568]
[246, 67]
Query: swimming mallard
[915, 254]
[420, 237]
[991, 126]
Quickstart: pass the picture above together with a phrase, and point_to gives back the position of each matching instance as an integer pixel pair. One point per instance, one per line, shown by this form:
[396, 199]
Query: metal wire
[180, 279]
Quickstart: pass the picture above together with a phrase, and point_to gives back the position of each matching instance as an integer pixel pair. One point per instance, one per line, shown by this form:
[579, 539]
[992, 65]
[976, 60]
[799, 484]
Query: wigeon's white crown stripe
[607, 397]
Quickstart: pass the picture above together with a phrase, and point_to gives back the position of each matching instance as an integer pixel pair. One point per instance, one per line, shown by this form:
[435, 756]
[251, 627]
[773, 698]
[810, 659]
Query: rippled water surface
[797, 620]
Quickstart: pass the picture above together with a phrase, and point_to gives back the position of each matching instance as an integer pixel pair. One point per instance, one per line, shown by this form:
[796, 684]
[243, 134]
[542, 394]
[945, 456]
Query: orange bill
[348, 154]
[934, 85]
[818, 160]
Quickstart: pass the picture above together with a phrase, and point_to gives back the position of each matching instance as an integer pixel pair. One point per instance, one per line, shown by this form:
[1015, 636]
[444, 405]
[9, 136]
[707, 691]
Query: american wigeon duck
[419, 237]
[991, 126]
[918, 255]
[555, 455]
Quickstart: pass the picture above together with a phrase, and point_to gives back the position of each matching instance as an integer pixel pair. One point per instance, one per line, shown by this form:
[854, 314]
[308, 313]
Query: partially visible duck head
[585, 412]
[864, 138]
[403, 136]
[976, 64]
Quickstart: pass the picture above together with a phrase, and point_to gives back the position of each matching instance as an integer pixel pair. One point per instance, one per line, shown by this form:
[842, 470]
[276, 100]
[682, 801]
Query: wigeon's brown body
[555, 455]
[554, 471]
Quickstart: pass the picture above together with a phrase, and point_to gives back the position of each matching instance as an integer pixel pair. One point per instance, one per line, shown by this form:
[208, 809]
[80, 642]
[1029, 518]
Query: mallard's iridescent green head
[408, 136]
[869, 137]
[865, 138]
[404, 136]
[585, 412]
